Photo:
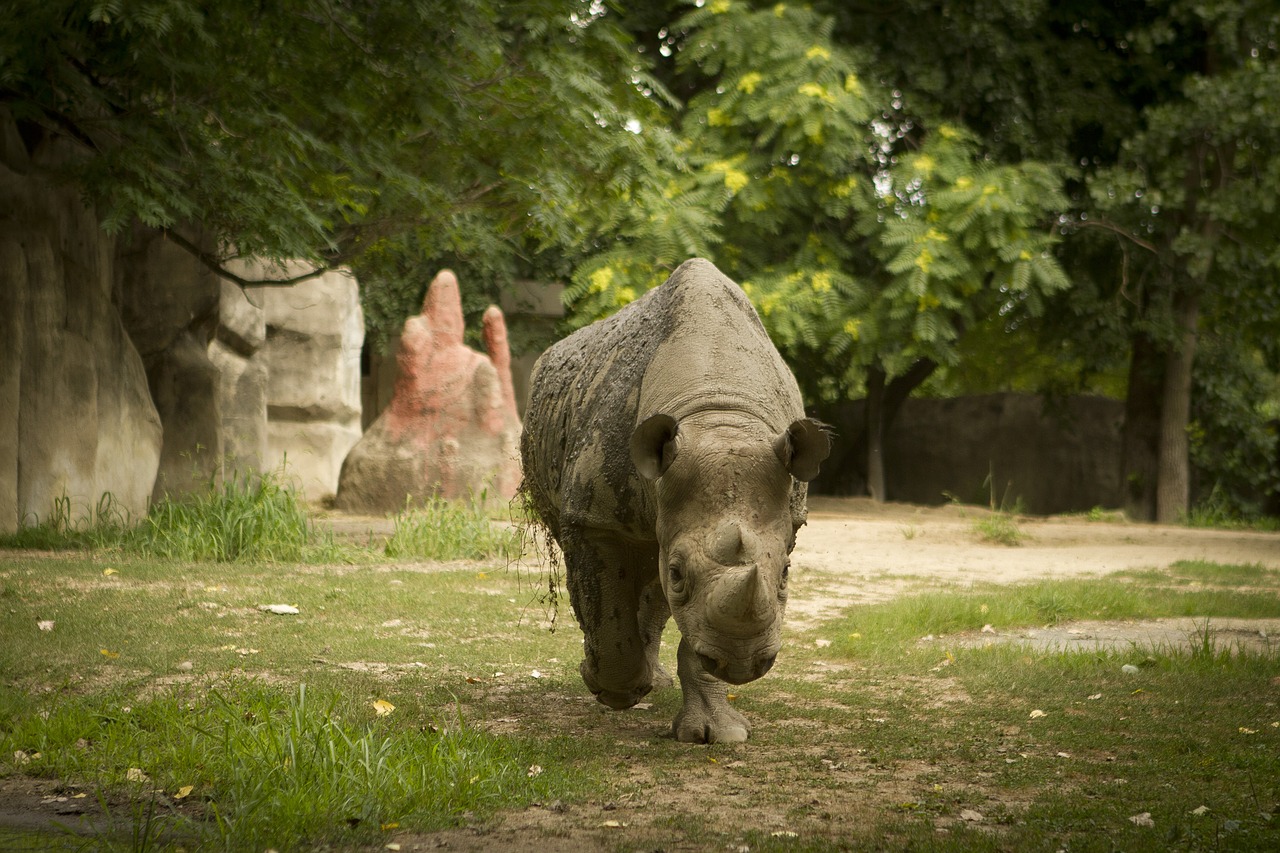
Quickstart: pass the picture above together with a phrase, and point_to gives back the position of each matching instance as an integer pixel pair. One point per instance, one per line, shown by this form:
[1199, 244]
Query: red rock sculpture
[451, 428]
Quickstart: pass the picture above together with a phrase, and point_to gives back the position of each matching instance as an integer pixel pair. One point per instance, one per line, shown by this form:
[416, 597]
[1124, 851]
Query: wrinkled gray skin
[666, 449]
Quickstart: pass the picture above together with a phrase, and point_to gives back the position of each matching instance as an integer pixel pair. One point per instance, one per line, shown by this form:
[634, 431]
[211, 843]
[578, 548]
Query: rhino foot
[705, 716]
[703, 724]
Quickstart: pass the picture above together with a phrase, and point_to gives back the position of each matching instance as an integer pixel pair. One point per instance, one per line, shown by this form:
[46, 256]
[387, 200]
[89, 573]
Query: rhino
[666, 450]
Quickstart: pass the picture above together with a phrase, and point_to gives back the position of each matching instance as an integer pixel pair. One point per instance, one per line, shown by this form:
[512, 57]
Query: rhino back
[693, 344]
[582, 408]
[717, 357]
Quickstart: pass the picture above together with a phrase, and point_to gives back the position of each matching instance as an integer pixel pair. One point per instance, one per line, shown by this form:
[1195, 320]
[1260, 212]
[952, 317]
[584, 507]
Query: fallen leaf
[822, 644]
[45, 624]
[535, 674]
[20, 757]
[134, 774]
[1130, 669]
[1201, 811]
[109, 572]
[534, 770]
[987, 629]
[1037, 714]
[471, 679]
[1143, 819]
[1245, 731]
[784, 833]
[643, 706]
[971, 816]
[382, 707]
[279, 609]
[1096, 696]
[392, 825]
[1064, 755]
[392, 846]
[184, 792]
[614, 824]
[108, 654]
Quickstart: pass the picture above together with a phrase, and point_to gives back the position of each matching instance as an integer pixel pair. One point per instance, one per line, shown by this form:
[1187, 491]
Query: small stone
[185, 666]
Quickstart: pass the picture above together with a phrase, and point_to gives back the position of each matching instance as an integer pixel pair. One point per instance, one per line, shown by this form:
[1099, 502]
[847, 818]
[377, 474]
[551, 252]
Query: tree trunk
[874, 431]
[1140, 440]
[1173, 482]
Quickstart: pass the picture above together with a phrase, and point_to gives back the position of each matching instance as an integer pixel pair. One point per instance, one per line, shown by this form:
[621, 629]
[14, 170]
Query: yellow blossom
[625, 295]
[964, 182]
[821, 282]
[845, 188]
[601, 279]
[948, 131]
[933, 235]
[718, 118]
[779, 10]
[990, 189]
[924, 260]
[817, 52]
[816, 90]
[1024, 255]
[853, 327]
[926, 164]
[749, 82]
[927, 301]
[853, 85]
[734, 179]
[719, 7]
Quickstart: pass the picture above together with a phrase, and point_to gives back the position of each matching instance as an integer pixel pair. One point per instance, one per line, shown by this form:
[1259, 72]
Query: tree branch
[214, 265]
[1116, 229]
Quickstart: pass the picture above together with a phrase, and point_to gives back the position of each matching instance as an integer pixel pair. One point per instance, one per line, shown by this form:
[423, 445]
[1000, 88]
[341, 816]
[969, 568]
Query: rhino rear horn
[653, 445]
[803, 447]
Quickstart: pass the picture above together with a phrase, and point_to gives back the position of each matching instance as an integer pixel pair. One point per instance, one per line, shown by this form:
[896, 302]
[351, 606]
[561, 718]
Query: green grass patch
[999, 529]
[248, 766]
[886, 628]
[250, 517]
[448, 530]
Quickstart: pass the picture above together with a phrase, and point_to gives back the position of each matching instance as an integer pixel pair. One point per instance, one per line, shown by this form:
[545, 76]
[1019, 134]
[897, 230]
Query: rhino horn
[740, 602]
[726, 545]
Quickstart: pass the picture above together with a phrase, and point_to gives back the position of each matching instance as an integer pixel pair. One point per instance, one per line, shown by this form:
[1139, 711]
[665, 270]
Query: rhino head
[725, 531]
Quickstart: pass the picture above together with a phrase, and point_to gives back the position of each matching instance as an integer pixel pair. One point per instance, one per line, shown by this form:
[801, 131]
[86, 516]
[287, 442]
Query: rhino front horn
[740, 603]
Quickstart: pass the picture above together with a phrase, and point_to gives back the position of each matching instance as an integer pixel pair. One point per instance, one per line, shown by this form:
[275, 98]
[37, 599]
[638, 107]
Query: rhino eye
[786, 573]
[675, 577]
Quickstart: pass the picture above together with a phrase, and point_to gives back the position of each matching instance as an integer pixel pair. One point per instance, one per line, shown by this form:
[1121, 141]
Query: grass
[410, 698]
[259, 518]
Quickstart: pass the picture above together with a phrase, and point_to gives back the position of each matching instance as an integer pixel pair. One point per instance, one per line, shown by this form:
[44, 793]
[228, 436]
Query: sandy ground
[855, 551]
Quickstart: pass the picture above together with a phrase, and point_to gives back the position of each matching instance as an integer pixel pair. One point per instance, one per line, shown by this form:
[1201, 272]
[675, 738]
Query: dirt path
[855, 551]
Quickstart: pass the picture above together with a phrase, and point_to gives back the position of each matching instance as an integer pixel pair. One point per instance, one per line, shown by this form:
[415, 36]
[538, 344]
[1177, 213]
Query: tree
[341, 131]
[868, 240]
[1162, 116]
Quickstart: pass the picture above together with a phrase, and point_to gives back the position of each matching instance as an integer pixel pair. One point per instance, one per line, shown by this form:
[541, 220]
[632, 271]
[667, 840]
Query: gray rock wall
[314, 334]
[76, 417]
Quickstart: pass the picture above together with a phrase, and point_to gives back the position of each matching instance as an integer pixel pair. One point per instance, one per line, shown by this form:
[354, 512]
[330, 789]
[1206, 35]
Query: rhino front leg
[606, 576]
[654, 613]
[705, 716]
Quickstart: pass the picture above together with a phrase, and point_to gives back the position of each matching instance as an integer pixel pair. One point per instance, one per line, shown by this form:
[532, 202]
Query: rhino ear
[653, 445]
[803, 447]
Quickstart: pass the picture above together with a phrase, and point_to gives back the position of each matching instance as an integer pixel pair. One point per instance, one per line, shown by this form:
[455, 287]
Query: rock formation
[451, 428]
[314, 333]
[76, 418]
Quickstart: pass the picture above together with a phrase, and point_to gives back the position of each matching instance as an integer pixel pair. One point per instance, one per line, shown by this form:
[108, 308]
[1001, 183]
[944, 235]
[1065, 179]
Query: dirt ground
[852, 551]
[855, 551]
